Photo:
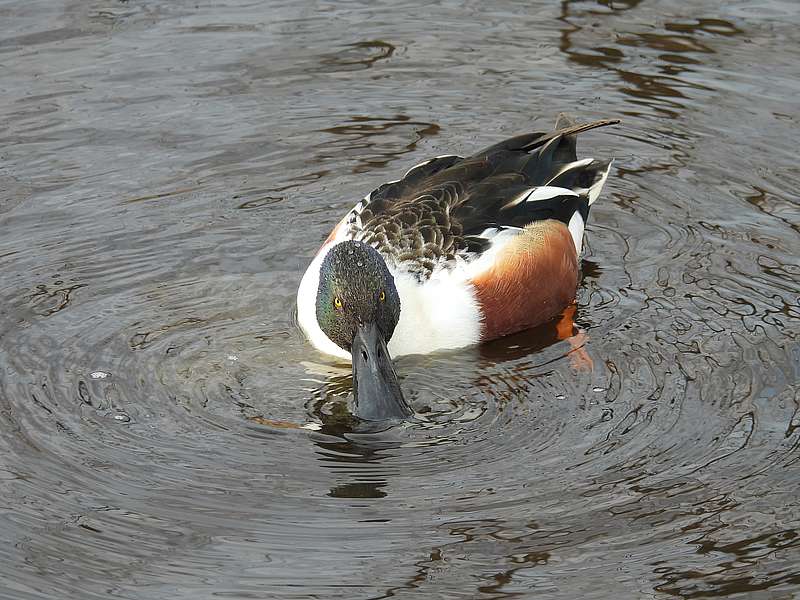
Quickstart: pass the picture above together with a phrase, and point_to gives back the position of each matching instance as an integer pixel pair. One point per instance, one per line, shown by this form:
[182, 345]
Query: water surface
[168, 169]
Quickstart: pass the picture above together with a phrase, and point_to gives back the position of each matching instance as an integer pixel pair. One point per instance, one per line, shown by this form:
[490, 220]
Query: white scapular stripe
[573, 165]
[545, 192]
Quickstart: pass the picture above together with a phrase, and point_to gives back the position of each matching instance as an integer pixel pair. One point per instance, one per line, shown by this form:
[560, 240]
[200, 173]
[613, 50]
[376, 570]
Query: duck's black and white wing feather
[450, 209]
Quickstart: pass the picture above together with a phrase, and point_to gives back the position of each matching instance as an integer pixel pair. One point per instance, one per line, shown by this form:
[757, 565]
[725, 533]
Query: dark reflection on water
[361, 55]
[360, 137]
[167, 169]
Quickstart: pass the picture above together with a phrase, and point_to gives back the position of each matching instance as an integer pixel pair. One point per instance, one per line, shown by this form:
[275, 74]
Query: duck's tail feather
[532, 141]
[585, 176]
[570, 130]
[554, 164]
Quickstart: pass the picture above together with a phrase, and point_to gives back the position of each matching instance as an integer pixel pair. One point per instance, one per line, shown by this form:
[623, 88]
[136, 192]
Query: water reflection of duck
[456, 252]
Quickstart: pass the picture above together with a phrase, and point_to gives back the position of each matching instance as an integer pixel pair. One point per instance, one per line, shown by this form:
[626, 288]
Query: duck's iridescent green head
[358, 308]
[355, 286]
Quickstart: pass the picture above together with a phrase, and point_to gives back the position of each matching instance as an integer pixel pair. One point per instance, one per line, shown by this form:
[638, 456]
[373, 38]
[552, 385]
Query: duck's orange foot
[579, 358]
[566, 329]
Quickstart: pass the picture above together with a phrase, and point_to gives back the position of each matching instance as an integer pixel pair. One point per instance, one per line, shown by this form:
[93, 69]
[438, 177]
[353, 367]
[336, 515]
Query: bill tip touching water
[459, 251]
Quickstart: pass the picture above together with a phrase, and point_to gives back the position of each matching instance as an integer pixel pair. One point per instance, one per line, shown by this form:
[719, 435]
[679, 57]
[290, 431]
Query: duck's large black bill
[375, 387]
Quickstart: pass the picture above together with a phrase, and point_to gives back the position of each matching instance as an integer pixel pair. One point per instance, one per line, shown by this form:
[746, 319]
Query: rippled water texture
[167, 169]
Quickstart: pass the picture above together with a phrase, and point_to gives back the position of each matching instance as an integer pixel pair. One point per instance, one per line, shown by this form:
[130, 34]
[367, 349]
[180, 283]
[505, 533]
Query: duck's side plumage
[480, 246]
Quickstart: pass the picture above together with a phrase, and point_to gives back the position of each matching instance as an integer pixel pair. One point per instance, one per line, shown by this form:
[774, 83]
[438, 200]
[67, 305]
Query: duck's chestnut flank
[533, 278]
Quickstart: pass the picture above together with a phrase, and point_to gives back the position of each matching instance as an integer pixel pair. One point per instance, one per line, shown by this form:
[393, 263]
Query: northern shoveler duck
[456, 252]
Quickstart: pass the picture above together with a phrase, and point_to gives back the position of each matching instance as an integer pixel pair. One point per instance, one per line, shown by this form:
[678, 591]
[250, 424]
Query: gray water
[168, 169]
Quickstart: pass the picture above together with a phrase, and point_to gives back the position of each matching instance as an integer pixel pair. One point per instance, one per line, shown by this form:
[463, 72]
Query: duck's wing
[450, 209]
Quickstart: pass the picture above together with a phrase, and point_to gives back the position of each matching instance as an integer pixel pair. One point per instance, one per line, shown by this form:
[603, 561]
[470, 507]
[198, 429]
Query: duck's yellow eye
[337, 302]
[382, 296]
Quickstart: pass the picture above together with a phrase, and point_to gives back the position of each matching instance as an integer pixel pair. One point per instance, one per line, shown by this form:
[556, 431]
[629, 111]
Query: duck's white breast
[438, 314]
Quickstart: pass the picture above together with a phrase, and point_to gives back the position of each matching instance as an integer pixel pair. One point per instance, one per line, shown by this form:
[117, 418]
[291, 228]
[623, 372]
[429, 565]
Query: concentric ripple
[168, 170]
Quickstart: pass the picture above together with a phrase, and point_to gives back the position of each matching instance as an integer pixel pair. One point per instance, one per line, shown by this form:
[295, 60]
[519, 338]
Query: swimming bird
[458, 251]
